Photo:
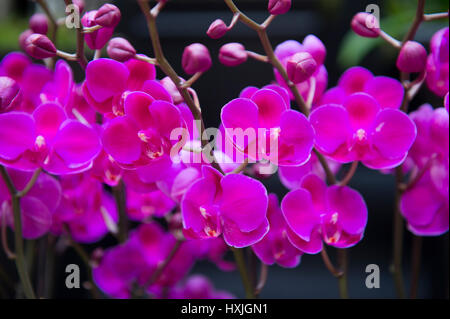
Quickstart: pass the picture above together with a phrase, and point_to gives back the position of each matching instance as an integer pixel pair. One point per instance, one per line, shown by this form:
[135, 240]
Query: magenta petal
[299, 212]
[235, 237]
[288, 48]
[317, 188]
[36, 218]
[263, 250]
[438, 226]
[296, 131]
[248, 92]
[140, 72]
[157, 91]
[270, 107]
[202, 193]
[332, 126]
[165, 116]
[244, 201]
[420, 204]
[17, 134]
[120, 140]
[313, 246]
[49, 117]
[156, 170]
[76, 143]
[48, 190]
[105, 78]
[281, 91]
[136, 106]
[354, 79]
[334, 95]
[394, 133]
[350, 207]
[362, 110]
[387, 91]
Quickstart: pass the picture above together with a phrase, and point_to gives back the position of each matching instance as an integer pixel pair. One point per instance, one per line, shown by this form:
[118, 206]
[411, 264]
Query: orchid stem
[416, 254]
[398, 237]
[119, 196]
[18, 238]
[327, 262]
[351, 172]
[240, 261]
[263, 275]
[343, 266]
[161, 267]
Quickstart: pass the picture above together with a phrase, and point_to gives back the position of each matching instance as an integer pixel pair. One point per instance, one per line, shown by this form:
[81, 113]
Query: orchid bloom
[269, 130]
[275, 247]
[234, 205]
[314, 213]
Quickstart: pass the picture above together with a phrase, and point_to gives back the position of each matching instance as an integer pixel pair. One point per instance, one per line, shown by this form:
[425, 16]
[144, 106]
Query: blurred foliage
[396, 18]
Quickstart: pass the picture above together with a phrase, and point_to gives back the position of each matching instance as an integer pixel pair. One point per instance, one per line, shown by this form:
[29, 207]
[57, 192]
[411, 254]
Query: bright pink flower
[291, 176]
[275, 247]
[426, 205]
[337, 215]
[95, 40]
[142, 206]
[198, 287]
[438, 63]
[360, 129]
[300, 67]
[270, 129]
[37, 207]
[47, 139]
[86, 208]
[234, 205]
[312, 45]
[365, 25]
[10, 94]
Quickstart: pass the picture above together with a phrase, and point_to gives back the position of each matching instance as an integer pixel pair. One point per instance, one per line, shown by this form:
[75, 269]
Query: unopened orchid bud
[170, 87]
[217, 29]
[39, 23]
[412, 57]
[300, 67]
[23, 37]
[95, 40]
[120, 49]
[316, 48]
[39, 46]
[108, 16]
[80, 4]
[232, 54]
[279, 6]
[366, 25]
[196, 58]
[10, 95]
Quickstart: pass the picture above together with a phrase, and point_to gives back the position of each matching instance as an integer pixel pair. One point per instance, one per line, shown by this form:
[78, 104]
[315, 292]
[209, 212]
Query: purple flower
[312, 45]
[10, 94]
[143, 206]
[438, 63]
[37, 206]
[426, 204]
[362, 129]
[269, 130]
[96, 40]
[275, 247]
[234, 205]
[198, 287]
[337, 215]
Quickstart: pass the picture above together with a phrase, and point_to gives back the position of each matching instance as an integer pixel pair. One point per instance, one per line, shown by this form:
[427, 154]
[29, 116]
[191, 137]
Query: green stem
[343, 266]
[240, 262]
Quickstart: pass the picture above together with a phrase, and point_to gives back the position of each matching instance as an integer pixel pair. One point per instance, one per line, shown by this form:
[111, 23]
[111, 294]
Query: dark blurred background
[185, 21]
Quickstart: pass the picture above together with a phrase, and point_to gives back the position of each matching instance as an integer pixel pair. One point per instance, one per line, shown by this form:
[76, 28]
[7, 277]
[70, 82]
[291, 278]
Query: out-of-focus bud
[10, 95]
[120, 49]
[170, 87]
[39, 23]
[80, 4]
[300, 67]
[217, 29]
[196, 58]
[316, 48]
[412, 57]
[279, 6]
[108, 16]
[39, 46]
[23, 37]
[366, 25]
[232, 54]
